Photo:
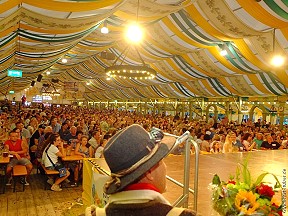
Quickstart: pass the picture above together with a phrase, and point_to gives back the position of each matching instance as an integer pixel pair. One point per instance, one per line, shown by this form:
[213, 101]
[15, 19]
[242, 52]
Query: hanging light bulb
[134, 33]
[104, 29]
[277, 60]
[223, 52]
[64, 60]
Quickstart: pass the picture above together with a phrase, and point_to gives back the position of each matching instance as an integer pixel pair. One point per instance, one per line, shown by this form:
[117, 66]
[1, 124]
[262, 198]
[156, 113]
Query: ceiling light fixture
[223, 52]
[104, 29]
[134, 32]
[277, 60]
[123, 71]
[64, 60]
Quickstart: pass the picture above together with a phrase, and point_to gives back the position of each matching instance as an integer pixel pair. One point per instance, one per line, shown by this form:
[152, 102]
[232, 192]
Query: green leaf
[216, 180]
[260, 178]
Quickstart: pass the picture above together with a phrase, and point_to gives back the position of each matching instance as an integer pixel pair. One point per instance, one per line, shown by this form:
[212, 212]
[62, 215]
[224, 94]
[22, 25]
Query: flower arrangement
[242, 196]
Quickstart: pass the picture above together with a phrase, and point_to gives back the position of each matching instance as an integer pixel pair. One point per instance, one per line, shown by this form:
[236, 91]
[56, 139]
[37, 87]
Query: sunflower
[245, 202]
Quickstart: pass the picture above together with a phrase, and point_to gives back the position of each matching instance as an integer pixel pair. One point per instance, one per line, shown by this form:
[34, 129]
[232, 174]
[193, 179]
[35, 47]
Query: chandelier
[50, 93]
[49, 90]
[120, 70]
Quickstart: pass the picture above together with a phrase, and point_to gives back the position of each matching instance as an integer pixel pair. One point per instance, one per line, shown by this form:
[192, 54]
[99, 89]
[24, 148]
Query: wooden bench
[19, 171]
[53, 173]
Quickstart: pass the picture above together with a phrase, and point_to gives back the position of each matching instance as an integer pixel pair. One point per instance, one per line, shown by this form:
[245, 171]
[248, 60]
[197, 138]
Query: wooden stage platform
[273, 161]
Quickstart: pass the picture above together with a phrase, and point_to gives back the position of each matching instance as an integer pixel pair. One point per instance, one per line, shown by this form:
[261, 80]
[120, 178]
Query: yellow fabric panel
[258, 12]
[178, 70]
[180, 34]
[151, 91]
[6, 53]
[149, 10]
[157, 70]
[125, 81]
[82, 46]
[7, 5]
[228, 86]
[8, 31]
[51, 31]
[164, 41]
[245, 50]
[152, 41]
[13, 41]
[127, 16]
[202, 22]
[282, 75]
[176, 89]
[204, 60]
[208, 87]
[285, 32]
[71, 6]
[145, 53]
[254, 79]
[189, 61]
[223, 60]
[6, 64]
[189, 88]
[243, 47]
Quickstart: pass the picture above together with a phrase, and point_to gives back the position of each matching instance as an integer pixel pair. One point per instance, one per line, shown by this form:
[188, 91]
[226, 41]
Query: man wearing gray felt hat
[138, 174]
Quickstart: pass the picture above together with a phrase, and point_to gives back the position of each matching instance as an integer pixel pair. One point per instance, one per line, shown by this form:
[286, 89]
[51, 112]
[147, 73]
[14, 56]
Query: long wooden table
[72, 158]
[4, 161]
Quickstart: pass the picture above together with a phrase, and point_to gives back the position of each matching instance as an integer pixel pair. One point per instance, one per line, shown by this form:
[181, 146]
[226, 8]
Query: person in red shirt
[19, 150]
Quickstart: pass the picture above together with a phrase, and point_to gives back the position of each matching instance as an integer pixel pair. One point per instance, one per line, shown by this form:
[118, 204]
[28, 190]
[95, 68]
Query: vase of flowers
[242, 196]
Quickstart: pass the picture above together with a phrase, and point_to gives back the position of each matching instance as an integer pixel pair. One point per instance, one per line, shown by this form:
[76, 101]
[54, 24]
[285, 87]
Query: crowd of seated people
[88, 130]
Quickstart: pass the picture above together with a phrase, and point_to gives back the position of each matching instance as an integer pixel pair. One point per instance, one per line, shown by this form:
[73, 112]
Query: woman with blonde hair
[228, 144]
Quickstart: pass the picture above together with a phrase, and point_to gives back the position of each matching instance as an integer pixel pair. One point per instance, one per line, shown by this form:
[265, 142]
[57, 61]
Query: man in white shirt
[95, 140]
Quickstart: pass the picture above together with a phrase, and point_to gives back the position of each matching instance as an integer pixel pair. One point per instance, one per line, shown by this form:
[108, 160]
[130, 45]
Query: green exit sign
[11, 92]
[15, 73]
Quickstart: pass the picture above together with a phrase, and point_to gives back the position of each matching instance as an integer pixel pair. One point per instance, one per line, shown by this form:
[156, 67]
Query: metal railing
[183, 199]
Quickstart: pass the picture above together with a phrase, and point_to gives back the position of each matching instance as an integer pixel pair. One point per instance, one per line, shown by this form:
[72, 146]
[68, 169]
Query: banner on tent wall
[71, 86]
[93, 183]
[99, 198]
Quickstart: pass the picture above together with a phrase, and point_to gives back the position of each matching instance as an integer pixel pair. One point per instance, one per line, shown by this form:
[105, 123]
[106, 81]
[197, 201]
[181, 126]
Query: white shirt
[93, 142]
[52, 151]
[99, 152]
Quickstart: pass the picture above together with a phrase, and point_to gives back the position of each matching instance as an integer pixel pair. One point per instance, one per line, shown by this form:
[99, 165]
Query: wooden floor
[37, 201]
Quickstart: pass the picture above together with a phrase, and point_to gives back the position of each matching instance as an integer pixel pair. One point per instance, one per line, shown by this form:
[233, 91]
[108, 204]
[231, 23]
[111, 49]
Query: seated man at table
[270, 144]
[138, 174]
[19, 150]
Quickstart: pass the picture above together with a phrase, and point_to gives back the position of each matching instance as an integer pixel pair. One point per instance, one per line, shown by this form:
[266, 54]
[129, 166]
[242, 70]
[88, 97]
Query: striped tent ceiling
[183, 40]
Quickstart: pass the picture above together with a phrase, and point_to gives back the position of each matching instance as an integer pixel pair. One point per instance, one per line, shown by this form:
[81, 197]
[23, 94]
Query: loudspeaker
[32, 83]
[55, 80]
[107, 55]
[39, 78]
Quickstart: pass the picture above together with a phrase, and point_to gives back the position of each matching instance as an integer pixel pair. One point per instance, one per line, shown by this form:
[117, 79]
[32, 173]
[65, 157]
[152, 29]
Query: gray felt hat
[131, 153]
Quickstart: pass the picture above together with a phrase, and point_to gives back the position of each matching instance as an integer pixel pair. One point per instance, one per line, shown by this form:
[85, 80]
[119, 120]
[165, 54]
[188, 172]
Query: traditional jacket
[137, 203]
